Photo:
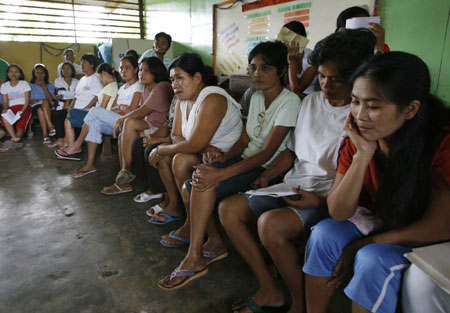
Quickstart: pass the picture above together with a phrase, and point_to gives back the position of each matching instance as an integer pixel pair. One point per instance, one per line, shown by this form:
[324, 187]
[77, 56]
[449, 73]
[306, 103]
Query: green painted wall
[422, 28]
[194, 14]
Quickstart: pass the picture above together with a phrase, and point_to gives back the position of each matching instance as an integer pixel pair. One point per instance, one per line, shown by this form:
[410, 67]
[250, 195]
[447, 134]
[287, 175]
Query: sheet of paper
[361, 22]
[279, 190]
[10, 117]
[287, 35]
[433, 260]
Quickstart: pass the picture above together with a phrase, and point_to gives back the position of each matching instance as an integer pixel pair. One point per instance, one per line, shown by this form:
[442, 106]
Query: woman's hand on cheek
[363, 146]
[206, 177]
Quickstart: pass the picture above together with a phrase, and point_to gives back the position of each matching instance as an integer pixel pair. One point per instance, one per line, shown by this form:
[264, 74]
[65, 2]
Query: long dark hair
[157, 68]
[105, 67]
[72, 68]
[192, 63]
[21, 76]
[405, 187]
[33, 73]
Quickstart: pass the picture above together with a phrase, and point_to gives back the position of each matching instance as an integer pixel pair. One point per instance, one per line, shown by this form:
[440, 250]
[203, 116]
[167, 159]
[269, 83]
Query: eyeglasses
[258, 129]
[265, 68]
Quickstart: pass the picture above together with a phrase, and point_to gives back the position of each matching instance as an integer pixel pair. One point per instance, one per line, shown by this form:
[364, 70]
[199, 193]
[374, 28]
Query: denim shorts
[309, 217]
[234, 184]
[76, 117]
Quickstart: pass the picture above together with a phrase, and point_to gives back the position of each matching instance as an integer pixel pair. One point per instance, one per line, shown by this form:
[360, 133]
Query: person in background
[86, 97]
[69, 56]
[65, 87]
[132, 53]
[312, 150]
[302, 75]
[376, 29]
[142, 146]
[3, 68]
[106, 99]
[41, 100]
[392, 188]
[148, 119]
[272, 115]
[16, 97]
[161, 44]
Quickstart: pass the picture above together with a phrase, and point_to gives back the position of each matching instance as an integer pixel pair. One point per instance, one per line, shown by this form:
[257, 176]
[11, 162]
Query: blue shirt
[37, 93]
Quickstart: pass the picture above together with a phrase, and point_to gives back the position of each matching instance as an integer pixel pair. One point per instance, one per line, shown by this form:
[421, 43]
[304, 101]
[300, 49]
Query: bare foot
[182, 232]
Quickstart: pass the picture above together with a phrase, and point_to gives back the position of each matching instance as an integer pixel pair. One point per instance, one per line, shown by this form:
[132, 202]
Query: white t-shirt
[282, 111]
[109, 90]
[88, 88]
[230, 128]
[77, 67]
[67, 92]
[305, 66]
[126, 93]
[316, 141]
[16, 94]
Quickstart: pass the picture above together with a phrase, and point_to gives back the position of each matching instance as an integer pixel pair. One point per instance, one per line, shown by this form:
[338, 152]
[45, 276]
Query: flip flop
[156, 209]
[184, 242]
[169, 219]
[212, 257]
[109, 190]
[252, 306]
[124, 177]
[60, 155]
[81, 173]
[189, 274]
[145, 197]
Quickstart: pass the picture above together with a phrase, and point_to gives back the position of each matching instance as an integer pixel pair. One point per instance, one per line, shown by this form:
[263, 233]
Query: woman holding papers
[302, 75]
[16, 104]
[273, 113]
[392, 190]
[312, 151]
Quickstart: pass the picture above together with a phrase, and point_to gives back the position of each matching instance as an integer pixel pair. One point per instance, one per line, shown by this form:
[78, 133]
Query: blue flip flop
[169, 219]
[184, 242]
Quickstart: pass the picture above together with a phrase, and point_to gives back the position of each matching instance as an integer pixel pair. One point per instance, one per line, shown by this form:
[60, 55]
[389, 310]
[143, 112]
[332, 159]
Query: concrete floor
[65, 247]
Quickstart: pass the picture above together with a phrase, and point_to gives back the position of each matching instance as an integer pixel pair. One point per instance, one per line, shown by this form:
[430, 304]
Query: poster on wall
[240, 27]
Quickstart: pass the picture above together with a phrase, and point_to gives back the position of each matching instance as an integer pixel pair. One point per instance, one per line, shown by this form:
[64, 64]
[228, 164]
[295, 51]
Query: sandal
[124, 177]
[188, 274]
[156, 210]
[52, 132]
[114, 189]
[145, 197]
[46, 141]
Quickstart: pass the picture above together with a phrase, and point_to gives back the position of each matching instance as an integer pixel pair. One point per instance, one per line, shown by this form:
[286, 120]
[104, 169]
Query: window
[82, 21]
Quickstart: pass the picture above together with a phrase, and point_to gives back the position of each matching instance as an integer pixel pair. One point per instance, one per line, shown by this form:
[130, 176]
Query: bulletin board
[238, 27]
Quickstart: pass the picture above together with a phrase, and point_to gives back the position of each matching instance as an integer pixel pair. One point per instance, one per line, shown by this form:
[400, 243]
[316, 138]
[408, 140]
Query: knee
[180, 164]
[232, 210]
[129, 123]
[269, 226]
[379, 258]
